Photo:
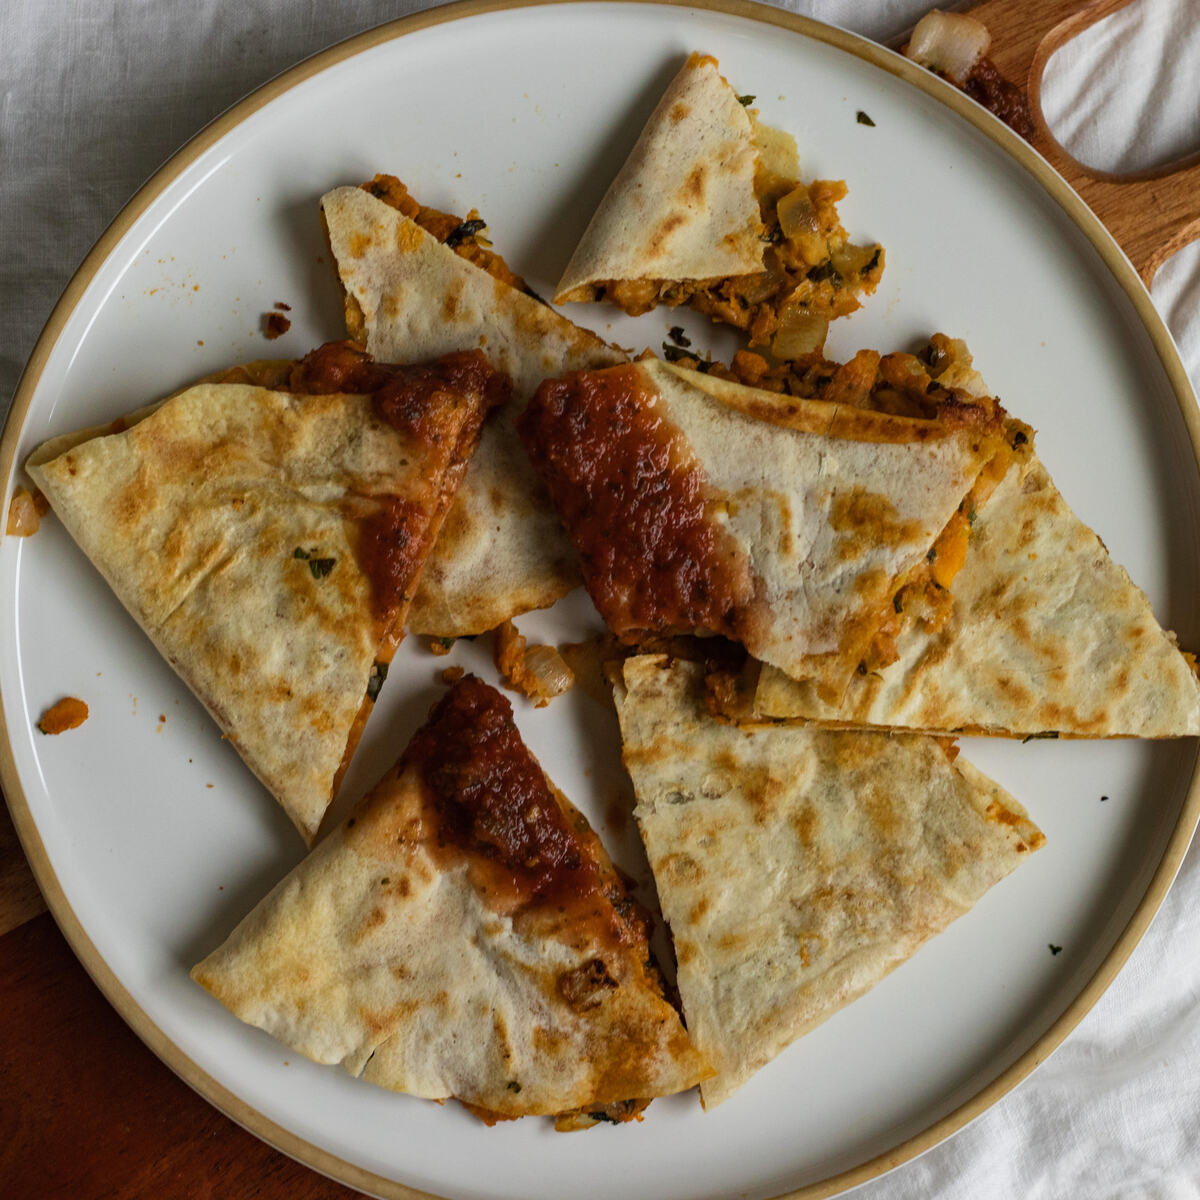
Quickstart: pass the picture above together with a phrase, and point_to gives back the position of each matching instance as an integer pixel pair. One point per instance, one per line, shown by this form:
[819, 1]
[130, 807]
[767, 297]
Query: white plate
[151, 839]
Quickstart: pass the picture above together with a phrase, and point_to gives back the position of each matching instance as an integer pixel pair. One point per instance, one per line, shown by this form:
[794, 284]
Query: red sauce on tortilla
[493, 801]
[636, 505]
[414, 398]
[391, 550]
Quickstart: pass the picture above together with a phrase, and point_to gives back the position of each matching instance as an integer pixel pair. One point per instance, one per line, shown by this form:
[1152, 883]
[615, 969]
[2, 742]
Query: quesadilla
[798, 867]
[709, 210]
[269, 539]
[699, 505]
[1046, 636]
[1042, 635]
[464, 935]
[419, 284]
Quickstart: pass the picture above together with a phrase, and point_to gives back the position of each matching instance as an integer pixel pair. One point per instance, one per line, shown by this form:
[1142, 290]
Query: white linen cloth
[97, 93]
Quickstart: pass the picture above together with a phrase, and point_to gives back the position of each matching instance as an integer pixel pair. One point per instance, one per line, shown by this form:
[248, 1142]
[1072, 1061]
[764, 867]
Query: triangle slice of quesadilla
[269, 539]
[464, 935]
[797, 867]
[413, 294]
[789, 525]
[1046, 636]
[709, 210]
[1042, 633]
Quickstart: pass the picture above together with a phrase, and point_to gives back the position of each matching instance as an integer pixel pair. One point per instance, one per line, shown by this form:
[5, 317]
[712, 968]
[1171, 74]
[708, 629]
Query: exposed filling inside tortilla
[675, 542]
[811, 274]
[909, 385]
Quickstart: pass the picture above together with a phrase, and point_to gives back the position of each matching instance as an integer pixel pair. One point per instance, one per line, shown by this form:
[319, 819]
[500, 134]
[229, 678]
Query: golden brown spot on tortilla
[658, 239]
[693, 185]
[868, 520]
[401, 972]
[681, 866]
[869, 583]
[685, 953]
[804, 822]
[408, 237]
[389, 305]
[698, 910]
[876, 803]
[679, 111]
[450, 301]
[360, 243]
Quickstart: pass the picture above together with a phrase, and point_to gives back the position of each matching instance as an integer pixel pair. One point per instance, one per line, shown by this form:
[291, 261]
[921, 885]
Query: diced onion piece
[547, 674]
[23, 515]
[850, 261]
[800, 332]
[538, 672]
[797, 214]
[754, 289]
[951, 43]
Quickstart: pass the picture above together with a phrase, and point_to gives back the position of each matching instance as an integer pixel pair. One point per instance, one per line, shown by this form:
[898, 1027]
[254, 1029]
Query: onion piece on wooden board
[950, 43]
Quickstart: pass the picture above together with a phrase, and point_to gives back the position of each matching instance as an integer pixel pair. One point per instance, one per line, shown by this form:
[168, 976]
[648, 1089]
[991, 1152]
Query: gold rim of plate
[1055, 186]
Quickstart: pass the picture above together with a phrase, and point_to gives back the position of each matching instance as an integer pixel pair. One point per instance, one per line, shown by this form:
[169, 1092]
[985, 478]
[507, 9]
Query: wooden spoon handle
[1151, 214]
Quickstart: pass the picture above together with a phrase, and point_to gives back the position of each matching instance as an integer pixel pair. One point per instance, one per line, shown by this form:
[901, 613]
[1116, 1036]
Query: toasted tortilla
[1047, 635]
[422, 947]
[797, 867]
[502, 551]
[683, 206]
[700, 505]
[710, 210]
[269, 544]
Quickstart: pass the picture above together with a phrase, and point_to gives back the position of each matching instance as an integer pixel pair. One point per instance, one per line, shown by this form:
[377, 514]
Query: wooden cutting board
[86, 1111]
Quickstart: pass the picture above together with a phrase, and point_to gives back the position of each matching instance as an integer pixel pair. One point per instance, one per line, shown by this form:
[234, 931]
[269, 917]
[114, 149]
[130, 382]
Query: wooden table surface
[86, 1111]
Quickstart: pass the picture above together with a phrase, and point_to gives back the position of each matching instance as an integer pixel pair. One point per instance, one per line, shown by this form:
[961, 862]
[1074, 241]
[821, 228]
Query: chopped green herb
[972, 516]
[378, 674]
[897, 603]
[676, 334]
[862, 118]
[447, 642]
[1038, 737]
[320, 567]
[1053, 948]
[746, 101]
[1020, 438]
[513, 1085]
[1102, 799]
[933, 354]
[862, 668]
[932, 554]
[298, 553]
[603, 1116]
[822, 271]
[873, 263]
[468, 229]
[774, 235]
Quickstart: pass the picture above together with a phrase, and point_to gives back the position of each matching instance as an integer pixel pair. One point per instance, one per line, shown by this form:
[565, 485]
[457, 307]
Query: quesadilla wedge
[1046, 637]
[269, 539]
[798, 867]
[419, 284]
[709, 210]
[1042, 634]
[699, 505]
[463, 934]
